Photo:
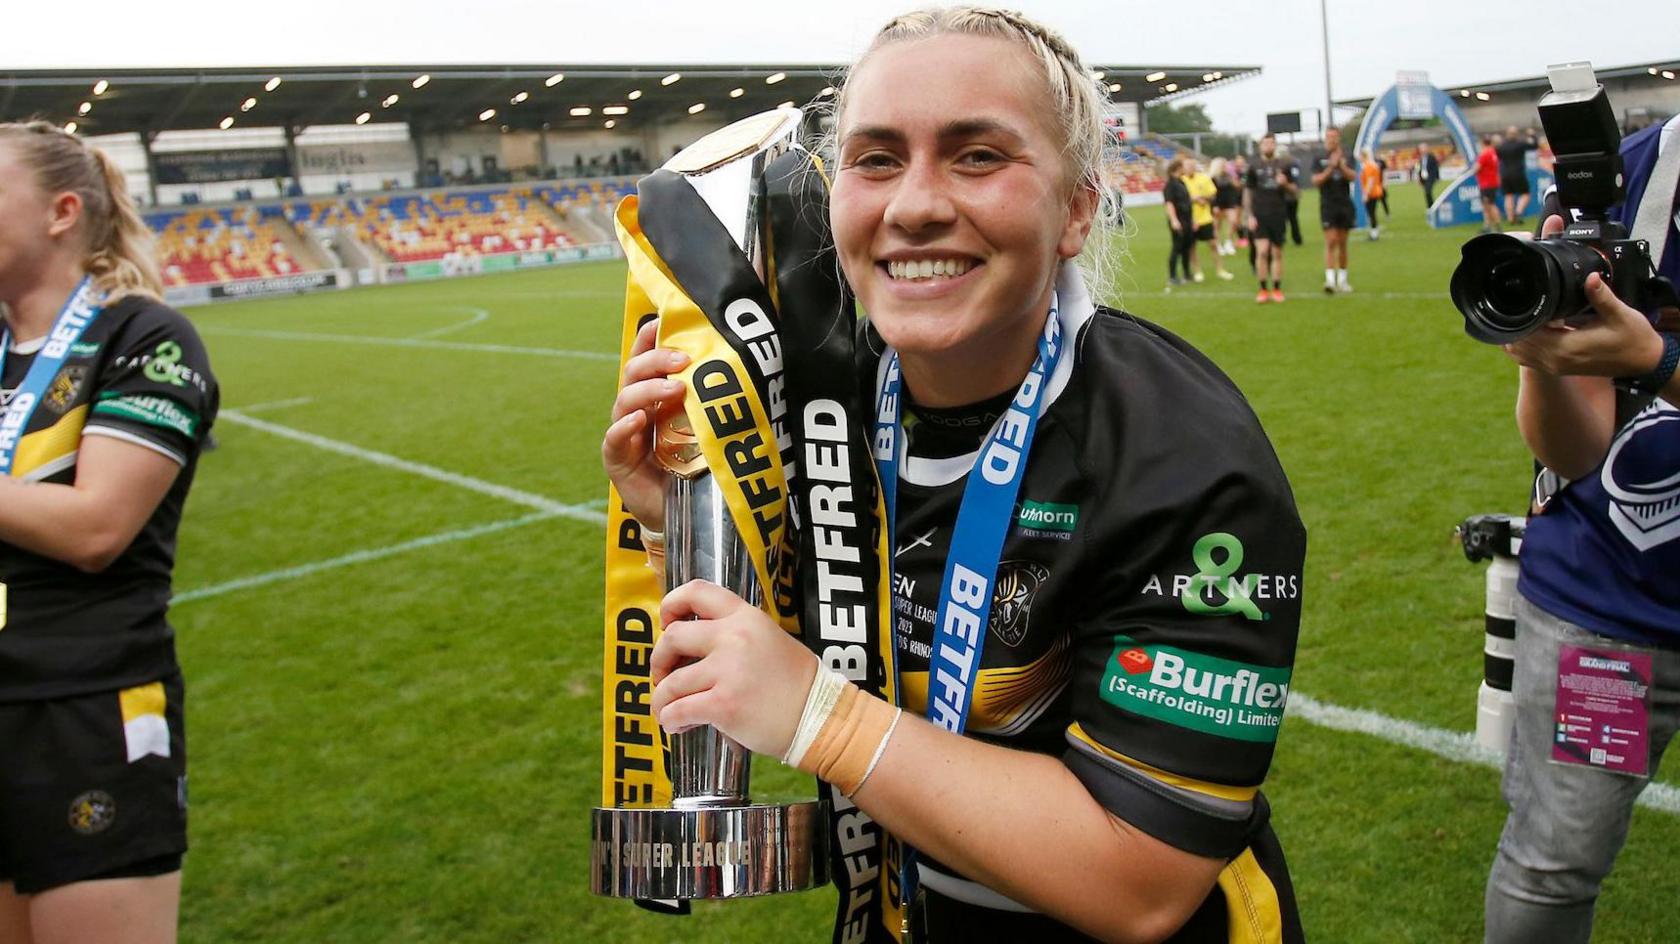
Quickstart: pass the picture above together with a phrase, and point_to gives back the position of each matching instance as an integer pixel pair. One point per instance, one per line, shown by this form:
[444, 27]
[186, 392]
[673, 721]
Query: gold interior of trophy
[676, 448]
[732, 142]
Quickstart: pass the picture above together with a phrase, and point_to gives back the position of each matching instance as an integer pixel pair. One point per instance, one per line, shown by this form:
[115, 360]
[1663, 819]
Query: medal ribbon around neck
[988, 505]
[78, 313]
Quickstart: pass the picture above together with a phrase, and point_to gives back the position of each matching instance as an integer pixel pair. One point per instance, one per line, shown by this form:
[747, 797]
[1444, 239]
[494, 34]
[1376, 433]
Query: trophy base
[709, 852]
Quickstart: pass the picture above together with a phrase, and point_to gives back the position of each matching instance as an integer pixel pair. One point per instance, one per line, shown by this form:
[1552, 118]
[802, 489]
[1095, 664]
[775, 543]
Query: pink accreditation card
[1603, 709]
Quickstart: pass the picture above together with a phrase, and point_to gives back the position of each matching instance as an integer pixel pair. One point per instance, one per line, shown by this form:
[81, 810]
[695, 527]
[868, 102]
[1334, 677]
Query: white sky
[1457, 41]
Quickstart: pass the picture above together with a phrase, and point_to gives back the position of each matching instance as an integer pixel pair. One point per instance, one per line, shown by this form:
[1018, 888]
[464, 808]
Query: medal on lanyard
[73, 319]
[988, 505]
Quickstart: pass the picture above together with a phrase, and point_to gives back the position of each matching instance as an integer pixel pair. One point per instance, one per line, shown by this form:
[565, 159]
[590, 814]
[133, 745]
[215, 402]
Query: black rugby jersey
[1338, 187]
[139, 374]
[1145, 611]
[1261, 180]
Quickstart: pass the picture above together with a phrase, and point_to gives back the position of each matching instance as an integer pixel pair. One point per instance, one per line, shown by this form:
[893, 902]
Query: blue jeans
[1567, 822]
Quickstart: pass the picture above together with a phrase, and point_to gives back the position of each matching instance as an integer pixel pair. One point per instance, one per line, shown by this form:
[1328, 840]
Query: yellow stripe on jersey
[1000, 695]
[142, 700]
[1205, 787]
[1251, 902]
[47, 445]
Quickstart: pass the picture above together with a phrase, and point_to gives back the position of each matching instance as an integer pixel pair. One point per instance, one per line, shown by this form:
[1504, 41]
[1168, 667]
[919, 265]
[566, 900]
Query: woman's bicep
[124, 478]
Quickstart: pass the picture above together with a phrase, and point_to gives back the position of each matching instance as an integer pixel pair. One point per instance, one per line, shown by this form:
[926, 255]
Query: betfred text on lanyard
[988, 504]
[78, 312]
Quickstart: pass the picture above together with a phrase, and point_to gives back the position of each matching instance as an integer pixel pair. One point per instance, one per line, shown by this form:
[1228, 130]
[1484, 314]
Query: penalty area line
[426, 343]
[585, 512]
[1453, 745]
[357, 557]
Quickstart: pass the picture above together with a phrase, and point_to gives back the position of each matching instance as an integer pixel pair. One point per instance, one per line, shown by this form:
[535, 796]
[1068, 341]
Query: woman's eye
[874, 161]
[981, 157]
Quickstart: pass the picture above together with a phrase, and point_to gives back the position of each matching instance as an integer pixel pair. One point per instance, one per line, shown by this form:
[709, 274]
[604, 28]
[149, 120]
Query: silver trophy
[713, 841]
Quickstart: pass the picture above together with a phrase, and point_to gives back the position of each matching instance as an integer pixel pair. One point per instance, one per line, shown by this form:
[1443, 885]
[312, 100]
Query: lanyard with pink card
[1603, 708]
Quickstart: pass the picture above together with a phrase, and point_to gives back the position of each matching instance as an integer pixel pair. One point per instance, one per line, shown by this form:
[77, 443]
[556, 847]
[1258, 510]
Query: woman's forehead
[944, 79]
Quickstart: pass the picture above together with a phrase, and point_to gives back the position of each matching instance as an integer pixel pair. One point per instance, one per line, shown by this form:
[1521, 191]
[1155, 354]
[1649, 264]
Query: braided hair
[1076, 101]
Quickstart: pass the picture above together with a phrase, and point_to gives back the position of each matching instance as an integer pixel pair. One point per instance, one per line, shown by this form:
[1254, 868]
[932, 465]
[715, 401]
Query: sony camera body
[1505, 287]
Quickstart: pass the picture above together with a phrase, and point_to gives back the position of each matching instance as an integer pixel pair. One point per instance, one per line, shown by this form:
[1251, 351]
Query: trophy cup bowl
[712, 841]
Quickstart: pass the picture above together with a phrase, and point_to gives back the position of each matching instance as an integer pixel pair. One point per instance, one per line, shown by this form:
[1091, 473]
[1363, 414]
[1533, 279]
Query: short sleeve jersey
[1513, 157]
[1338, 187]
[1202, 191]
[1145, 609]
[1267, 195]
[1487, 169]
[139, 374]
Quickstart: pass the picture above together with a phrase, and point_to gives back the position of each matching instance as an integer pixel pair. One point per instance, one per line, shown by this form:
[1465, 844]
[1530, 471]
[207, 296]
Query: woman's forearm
[1023, 825]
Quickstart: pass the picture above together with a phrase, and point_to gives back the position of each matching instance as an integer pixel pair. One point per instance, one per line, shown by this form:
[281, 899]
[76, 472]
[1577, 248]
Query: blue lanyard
[988, 505]
[73, 319]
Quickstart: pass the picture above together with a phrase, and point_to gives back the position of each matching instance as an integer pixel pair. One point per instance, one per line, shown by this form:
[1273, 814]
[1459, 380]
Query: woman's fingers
[657, 362]
[700, 599]
[685, 680]
[646, 395]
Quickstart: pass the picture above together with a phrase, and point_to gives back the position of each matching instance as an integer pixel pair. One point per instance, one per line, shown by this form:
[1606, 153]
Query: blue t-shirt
[1605, 552]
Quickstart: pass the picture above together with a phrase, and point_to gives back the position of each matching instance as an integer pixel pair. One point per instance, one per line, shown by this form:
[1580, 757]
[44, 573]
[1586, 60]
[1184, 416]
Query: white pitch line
[272, 405]
[478, 315]
[582, 512]
[1452, 745]
[356, 557]
[409, 342]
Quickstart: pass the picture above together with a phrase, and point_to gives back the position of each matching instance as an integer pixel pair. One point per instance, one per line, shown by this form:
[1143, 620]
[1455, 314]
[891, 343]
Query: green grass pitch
[390, 603]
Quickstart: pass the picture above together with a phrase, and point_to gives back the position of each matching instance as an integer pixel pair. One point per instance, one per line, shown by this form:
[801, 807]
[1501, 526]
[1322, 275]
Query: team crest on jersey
[62, 391]
[92, 812]
[1647, 513]
[1017, 585]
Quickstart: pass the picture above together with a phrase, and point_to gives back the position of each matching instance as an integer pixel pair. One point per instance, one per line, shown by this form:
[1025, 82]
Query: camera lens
[1506, 287]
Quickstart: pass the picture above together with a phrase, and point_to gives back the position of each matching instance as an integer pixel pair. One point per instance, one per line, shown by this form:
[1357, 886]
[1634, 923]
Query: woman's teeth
[928, 268]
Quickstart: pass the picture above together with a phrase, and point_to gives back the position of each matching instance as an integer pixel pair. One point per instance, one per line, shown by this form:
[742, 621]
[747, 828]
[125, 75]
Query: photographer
[1598, 565]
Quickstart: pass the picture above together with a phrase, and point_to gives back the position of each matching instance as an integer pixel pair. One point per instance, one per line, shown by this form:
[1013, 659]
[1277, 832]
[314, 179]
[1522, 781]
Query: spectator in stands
[1371, 184]
[1227, 205]
[1487, 180]
[1271, 179]
[1513, 171]
[1175, 198]
[1428, 173]
[113, 394]
[1202, 193]
[1598, 573]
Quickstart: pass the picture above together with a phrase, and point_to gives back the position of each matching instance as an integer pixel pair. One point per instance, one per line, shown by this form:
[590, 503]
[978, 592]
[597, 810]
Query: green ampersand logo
[1219, 576]
[161, 367]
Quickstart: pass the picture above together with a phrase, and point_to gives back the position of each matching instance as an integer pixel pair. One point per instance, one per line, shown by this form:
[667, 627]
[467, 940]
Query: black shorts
[85, 794]
[1270, 228]
[1335, 215]
[1490, 194]
[1204, 233]
[1514, 186]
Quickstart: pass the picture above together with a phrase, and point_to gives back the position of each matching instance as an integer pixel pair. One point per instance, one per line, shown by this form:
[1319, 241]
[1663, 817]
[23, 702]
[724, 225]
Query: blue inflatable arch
[1460, 201]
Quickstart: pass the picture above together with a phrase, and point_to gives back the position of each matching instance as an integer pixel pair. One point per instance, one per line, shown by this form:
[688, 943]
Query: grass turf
[404, 748]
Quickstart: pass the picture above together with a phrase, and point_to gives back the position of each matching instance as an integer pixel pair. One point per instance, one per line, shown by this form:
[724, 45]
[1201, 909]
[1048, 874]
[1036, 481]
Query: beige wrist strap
[849, 741]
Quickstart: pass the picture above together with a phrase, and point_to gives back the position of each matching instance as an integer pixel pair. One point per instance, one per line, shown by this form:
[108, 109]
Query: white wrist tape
[879, 749]
[820, 700]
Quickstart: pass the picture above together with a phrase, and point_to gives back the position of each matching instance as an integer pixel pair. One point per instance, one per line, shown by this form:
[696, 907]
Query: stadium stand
[223, 245]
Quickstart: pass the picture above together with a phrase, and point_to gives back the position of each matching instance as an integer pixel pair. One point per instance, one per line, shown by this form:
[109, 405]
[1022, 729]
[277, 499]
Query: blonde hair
[1076, 101]
[118, 244]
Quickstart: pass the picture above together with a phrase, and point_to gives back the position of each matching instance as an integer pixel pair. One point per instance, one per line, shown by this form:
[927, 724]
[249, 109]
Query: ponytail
[119, 252]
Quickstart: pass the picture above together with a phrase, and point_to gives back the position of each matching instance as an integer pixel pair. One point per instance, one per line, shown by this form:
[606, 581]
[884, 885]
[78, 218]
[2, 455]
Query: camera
[1505, 287]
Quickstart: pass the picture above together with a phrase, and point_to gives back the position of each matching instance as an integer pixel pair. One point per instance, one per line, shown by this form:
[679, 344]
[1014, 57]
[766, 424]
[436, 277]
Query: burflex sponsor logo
[1203, 693]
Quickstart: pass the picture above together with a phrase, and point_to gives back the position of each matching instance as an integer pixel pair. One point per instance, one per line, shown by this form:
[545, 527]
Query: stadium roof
[452, 97]
[1668, 69]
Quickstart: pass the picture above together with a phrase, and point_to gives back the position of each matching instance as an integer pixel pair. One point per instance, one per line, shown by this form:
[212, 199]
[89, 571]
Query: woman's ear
[1082, 213]
[63, 214]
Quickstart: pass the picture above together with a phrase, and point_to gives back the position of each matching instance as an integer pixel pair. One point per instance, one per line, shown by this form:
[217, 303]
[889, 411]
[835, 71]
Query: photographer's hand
[1620, 342]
